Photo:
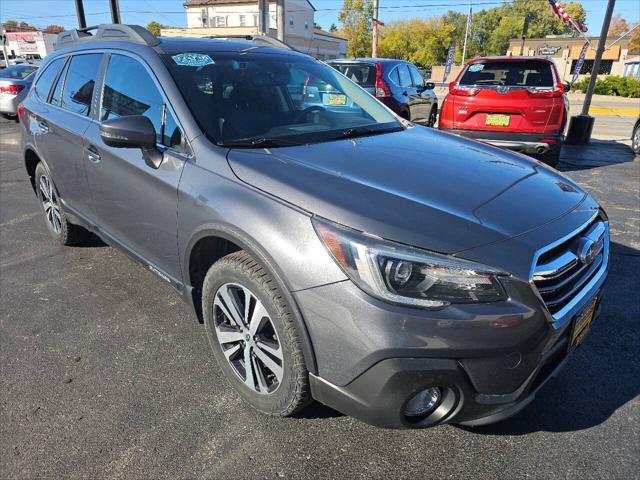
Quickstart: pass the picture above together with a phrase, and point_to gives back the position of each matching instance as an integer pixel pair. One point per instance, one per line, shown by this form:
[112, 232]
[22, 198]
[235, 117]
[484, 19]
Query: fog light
[424, 402]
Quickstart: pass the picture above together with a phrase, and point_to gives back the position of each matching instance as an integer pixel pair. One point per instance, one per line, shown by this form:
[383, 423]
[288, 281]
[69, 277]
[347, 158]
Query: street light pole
[115, 11]
[466, 34]
[374, 46]
[82, 21]
[581, 126]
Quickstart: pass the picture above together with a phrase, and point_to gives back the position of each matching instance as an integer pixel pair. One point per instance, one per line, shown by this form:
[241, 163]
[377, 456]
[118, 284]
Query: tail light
[20, 111]
[11, 89]
[455, 89]
[382, 89]
[547, 92]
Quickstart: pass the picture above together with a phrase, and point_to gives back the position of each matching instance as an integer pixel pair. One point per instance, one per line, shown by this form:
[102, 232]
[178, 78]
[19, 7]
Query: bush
[612, 85]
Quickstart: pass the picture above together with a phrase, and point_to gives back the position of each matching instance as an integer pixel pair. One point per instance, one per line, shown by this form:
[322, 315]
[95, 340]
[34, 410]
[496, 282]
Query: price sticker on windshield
[193, 59]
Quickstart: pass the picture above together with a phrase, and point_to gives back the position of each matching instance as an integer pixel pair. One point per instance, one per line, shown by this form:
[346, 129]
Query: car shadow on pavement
[603, 375]
[599, 153]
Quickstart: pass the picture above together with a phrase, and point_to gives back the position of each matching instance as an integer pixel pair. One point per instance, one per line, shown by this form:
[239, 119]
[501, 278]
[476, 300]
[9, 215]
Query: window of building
[255, 20]
[204, 17]
[220, 21]
[46, 79]
[291, 21]
[243, 20]
[79, 82]
[306, 24]
[122, 97]
[587, 67]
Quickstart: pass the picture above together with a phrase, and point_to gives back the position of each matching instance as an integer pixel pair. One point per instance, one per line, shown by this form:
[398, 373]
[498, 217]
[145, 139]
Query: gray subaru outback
[332, 250]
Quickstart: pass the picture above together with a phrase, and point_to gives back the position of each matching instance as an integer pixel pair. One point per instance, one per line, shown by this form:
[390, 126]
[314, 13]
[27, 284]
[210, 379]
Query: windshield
[528, 73]
[274, 99]
[19, 72]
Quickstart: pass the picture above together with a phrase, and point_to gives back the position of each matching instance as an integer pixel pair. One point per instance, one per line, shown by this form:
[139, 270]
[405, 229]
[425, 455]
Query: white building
[240, 17]
[31, 45]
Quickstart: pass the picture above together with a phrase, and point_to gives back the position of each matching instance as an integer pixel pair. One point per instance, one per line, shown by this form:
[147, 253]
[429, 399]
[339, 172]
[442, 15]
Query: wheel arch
[214, 241]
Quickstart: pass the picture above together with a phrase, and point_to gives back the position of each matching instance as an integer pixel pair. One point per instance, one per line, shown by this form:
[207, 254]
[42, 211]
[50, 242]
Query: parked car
[396, 83]
[396, 273]
[15, 82]
[517, 103]
[635, 138]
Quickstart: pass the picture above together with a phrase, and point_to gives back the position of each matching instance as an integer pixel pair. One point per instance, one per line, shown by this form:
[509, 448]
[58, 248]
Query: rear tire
[63, 231]
[552, 157]
[262, 332]
[433, 117]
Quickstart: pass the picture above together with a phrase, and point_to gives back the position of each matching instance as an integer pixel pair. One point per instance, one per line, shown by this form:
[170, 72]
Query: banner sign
[580, 62]
[447, 67]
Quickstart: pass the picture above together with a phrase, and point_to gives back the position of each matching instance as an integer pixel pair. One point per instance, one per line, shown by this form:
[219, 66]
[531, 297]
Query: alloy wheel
[248, 338]
[50, 204]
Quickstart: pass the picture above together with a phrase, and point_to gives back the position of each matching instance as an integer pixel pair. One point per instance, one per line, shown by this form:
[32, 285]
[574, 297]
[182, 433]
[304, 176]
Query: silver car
[331, 249]
[15, 82]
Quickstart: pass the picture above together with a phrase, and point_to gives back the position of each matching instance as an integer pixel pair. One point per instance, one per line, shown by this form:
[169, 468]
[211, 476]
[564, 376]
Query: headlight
[402, 274]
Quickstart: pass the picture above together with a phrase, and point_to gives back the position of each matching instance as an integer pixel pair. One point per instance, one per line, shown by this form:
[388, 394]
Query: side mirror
[135, 131]
[567, 87]
[429, 85]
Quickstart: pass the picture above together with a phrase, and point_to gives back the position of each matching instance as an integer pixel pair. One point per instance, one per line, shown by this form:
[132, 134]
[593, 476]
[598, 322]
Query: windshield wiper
[364, 131]
[258, 142]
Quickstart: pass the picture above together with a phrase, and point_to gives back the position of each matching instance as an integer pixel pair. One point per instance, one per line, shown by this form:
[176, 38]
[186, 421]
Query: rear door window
[528, 73]
[43, 86]
[79, 82]
[56, 96]
[122, 97]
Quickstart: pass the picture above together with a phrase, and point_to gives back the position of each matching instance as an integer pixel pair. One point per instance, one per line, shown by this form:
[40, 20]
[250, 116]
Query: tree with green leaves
[155, 27]
[356, 18]
[333, 28]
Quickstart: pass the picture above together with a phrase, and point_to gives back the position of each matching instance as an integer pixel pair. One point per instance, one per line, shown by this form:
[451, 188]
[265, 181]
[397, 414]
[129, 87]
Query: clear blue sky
[62, 12]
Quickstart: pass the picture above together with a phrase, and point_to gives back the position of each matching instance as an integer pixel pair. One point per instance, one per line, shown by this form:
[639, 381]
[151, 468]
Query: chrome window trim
[562, 316]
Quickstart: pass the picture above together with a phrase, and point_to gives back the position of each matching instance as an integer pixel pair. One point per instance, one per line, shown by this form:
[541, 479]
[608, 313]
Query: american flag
[565, 17]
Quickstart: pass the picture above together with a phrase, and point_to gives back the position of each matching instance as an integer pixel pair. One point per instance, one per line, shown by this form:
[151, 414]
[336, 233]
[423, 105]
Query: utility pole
[525, 31]
[466, 34]
[374, 45]
[82, 21]
[280, 14]
[3, 38]
[115, 11]
[263, 17]
[581, 126]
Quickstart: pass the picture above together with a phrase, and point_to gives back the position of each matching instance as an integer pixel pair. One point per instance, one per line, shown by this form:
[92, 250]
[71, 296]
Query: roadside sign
[447, 67]
[580, 62]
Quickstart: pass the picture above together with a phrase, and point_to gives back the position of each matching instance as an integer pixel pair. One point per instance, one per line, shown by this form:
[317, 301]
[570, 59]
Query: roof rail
[265, 40]
[107, 32]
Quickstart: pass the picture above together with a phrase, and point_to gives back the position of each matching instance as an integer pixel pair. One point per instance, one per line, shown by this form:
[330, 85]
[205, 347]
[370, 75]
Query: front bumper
[529, 143]
[379, 395]
[9, 104]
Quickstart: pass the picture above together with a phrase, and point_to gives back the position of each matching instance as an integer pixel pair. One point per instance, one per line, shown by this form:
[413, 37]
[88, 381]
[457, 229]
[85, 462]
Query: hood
[419, 186]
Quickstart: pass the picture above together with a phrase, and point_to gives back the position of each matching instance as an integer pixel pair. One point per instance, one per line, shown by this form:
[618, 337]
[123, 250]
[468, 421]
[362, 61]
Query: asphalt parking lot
[104, 373]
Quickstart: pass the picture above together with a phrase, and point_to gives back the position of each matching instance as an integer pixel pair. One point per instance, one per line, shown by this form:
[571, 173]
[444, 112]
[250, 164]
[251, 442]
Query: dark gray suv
[332, 250]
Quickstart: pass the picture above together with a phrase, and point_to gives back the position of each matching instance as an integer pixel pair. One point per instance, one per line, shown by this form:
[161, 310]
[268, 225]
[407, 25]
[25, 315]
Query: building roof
[205, 3]
[328, 34]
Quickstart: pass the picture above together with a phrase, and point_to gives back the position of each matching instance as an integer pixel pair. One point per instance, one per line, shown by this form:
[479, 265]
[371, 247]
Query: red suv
[510, 102]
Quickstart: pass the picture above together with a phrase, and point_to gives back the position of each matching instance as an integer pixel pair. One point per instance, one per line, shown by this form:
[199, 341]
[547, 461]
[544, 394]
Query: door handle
[93, 155]
[43, 127]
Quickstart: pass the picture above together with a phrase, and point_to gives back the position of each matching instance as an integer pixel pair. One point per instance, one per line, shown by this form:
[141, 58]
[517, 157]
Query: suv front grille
[563, 271]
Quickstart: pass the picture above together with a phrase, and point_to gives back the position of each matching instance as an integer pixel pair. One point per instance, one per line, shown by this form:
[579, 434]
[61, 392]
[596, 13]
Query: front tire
[63, 231]
[252, 333]
[635, 139]
[433, 116]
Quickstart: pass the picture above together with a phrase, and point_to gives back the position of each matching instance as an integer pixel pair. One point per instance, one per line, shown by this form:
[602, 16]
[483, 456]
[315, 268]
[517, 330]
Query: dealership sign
[546, 50]
[26, 41]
